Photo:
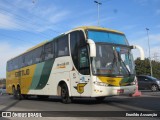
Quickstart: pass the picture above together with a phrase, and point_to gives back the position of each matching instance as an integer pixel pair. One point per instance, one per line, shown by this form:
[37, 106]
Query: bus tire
[100, 99]
[19, 96]
[65, 94]
[14, 92]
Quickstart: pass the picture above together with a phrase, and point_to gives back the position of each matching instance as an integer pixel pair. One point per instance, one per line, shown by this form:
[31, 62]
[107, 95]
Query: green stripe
[37, 75]
[128, 79]
[45, 74]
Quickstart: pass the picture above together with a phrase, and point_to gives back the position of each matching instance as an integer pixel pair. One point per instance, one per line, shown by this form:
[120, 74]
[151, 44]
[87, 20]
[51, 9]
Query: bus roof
[32, 48]
[36, 46]
[78, 28]
[98, 28]
[39, 45]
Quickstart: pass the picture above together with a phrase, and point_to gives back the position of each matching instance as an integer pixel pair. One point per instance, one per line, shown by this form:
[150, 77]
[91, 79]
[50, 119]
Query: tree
[143, 67]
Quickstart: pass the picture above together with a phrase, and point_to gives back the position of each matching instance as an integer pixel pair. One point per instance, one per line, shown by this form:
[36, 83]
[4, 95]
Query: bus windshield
[113, 56]
[109, 37]
[112, 60]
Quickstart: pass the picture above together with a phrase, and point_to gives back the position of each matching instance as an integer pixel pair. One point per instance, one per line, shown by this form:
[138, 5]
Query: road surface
[149, 101]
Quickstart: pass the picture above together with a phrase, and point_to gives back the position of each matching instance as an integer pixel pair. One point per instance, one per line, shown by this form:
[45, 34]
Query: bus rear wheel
[65, 94]
[19, 96]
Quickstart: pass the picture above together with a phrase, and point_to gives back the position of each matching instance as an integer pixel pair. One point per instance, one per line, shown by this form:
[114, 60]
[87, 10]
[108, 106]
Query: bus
[87, 61]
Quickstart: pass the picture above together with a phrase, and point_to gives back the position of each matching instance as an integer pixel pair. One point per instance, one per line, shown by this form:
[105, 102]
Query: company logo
[80, 87]
[22, 73]
[62, 65]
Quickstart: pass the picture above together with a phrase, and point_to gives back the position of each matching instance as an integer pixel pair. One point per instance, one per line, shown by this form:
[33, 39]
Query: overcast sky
[25, 23]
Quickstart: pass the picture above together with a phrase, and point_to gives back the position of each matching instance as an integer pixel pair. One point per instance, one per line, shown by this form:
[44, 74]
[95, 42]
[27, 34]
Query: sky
[25, 23]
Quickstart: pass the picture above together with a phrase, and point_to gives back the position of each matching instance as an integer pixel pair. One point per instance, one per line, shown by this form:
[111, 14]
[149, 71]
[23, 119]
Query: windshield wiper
[115, 60]
[119, 59]
[124, 64]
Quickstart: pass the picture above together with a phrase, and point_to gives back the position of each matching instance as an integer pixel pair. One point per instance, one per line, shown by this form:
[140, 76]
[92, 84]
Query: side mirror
[92, 47]
[140, 50]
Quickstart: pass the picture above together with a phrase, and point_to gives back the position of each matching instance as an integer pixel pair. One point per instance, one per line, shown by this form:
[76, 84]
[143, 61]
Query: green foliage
[143, 67]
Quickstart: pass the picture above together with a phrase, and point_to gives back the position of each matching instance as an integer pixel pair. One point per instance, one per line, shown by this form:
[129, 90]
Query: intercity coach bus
[87, 61]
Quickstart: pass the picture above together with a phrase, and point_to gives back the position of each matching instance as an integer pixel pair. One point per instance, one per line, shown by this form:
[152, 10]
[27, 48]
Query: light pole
[149, 52]
[98, 4]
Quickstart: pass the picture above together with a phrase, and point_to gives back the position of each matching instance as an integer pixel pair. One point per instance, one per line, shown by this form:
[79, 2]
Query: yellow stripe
[24, 80]
[98, 28]
[115, 81]
[27, 80]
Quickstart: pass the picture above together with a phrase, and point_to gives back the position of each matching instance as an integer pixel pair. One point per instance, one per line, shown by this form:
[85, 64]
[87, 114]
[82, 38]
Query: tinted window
[48, 50]
[15, 63]
[62, 46]
[28, 59]
[103, 36]
[84, 62]
[37, 55]
[20, 60]
[142, 78]
[23, 60]
[9, 66]
[32, 57]
[151, 78]
[74, 48]
[53, 49]
[76, 41]
[79, 52]
[139, 78]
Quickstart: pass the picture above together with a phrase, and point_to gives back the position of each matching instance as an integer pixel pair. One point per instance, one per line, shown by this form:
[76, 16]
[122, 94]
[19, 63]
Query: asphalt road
[149, 101]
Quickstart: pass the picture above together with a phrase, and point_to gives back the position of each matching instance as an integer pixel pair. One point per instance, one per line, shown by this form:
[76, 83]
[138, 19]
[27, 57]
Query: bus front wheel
[65, 94]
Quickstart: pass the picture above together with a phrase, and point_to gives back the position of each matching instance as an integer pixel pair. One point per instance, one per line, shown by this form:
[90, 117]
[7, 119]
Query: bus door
[84, 69]
[80, 74]
[80, 78]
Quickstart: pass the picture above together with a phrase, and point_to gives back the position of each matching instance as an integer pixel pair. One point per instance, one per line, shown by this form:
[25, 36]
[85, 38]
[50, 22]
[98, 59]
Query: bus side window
[37, 55]
[53, 49]
[28, 59]
[19, 61]
[48, 51]
[15, 63]
[23, 61]
[62, 45]
[11, 65]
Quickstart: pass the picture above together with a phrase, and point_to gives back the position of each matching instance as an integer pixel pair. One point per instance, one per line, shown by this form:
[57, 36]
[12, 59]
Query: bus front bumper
[113, 91]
